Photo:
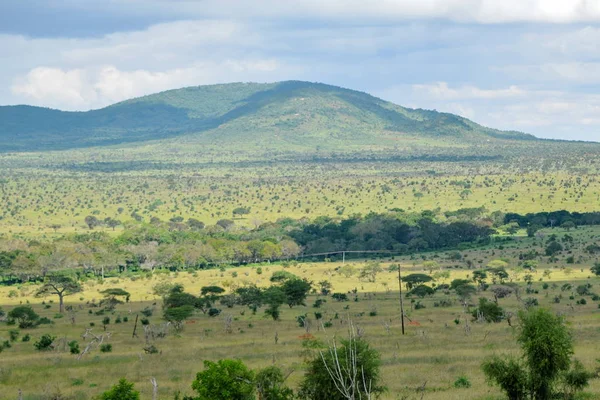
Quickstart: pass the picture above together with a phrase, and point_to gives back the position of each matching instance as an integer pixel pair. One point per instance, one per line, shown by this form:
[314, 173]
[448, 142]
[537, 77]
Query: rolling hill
[289, 116]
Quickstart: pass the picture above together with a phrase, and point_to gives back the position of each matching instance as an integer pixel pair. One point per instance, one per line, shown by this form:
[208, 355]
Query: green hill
[288, 116]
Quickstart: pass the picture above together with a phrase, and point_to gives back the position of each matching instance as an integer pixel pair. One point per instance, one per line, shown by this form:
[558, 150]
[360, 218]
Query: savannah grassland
[47, 195]
[434, 352]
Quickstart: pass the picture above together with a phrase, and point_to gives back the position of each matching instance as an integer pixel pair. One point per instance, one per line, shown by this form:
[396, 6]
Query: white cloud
[546, 113]
[79, 89]
[479, 11]
[442, 91]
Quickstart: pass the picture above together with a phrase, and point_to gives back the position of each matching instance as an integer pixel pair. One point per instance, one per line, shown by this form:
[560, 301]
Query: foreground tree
[121, 391]
[226, 380]
[547, 347]
[60, 285]
[349, 371]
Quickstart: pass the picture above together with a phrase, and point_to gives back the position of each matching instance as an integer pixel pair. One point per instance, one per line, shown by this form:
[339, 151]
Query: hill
[289, 116]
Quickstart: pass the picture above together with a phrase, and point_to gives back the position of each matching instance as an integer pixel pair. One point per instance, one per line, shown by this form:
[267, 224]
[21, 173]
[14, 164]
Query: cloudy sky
[528, 65]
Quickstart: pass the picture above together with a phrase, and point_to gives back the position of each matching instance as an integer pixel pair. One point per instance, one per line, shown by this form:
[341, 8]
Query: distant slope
[278, 115]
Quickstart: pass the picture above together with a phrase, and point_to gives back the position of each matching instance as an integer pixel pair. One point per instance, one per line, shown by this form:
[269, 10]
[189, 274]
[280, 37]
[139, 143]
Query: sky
[526, 65]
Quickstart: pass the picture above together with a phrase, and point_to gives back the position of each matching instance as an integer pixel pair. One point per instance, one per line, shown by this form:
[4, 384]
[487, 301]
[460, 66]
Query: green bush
[106, 348]
[489, 310]
[45, 342]
[462, 382]
[74, 347]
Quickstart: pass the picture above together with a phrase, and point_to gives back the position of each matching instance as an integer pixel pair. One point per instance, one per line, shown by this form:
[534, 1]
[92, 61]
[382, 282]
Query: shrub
[122, 391]
[213, 312]
[340, 296]
[13, 334]
[490, 311]
[24, 316]
[147, 312]
[106, 348]
[26, 338]
[45, 342]
[74, 347]
[145, 321]
[105, 320]
[462, 383]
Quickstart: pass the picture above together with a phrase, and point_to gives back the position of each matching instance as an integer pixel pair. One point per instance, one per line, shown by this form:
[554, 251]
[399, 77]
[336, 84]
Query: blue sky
[528, 65]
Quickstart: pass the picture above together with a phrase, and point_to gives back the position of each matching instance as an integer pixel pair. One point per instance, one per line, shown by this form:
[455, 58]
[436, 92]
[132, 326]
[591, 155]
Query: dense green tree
[224, 380]
[121, 391]
[415, 279]
[24, 316]
[295, 291]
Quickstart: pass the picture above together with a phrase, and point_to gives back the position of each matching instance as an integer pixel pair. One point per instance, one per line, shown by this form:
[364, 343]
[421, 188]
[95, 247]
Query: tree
[416, 279]
[295, 291]
[553, 248]
[270, 385]
[24, 315]
[195, 224]
[60, 285]
[111, 297]
[177, 315]
[240, 211]
[281, 276]
[596, 269]
[343, 372]
[547, 347]
[250, 296]
[226, 380]
[91, 222]
[121, 391]
[422, 291]
[274, 297]
[479, 277]
[113, 223]
[370, 271]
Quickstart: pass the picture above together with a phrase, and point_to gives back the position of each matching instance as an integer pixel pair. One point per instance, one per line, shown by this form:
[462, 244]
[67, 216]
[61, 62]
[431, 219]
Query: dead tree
[345, 372]
[154, 388]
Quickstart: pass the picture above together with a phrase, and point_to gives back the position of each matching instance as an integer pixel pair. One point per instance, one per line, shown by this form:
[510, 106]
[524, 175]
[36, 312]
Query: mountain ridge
[294, 113]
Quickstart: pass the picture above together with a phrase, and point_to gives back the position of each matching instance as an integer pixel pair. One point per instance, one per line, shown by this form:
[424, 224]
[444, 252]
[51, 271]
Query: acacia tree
[60, 285]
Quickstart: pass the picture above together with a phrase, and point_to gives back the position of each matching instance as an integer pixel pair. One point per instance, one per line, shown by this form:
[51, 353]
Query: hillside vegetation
[290, 115]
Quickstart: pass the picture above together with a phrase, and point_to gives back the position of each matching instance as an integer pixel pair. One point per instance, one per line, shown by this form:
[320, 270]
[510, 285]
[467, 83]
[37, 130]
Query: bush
[45, 342]
[122, 391]
[225, 379]
[106, 348]
[340, 296]
[462, 383]
[26, 338]
[490, 311]
[13, 335]
[145, 321]
[74, 347]
[105, 320]
[24, 316]
[213, 312]
[147, 312]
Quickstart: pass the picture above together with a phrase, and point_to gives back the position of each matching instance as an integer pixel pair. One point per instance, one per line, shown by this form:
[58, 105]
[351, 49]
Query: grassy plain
[435, 351]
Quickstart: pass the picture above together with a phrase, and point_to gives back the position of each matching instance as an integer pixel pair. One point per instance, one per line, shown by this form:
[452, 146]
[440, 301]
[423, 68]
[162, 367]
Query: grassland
[435, 351]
